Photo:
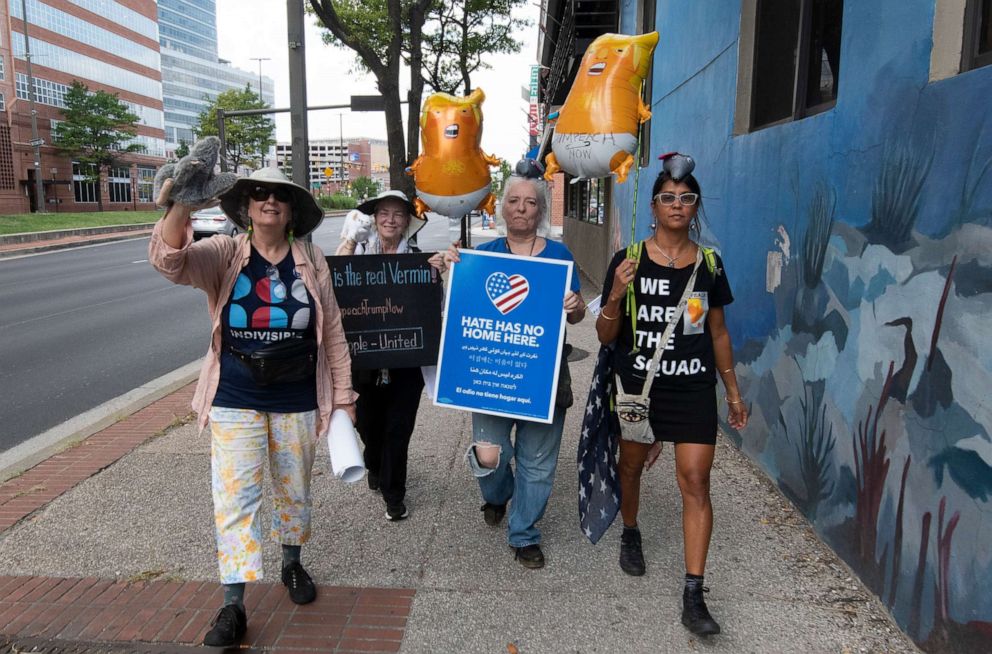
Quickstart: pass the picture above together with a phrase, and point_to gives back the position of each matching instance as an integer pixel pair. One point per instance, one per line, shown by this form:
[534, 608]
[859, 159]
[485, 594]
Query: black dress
[682, 401]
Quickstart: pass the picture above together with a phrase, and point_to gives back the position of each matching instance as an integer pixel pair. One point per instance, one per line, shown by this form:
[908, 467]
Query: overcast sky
[257, 28]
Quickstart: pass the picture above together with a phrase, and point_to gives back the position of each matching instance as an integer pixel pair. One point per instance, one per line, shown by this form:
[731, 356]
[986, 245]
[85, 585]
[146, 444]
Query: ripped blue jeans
[535, 449]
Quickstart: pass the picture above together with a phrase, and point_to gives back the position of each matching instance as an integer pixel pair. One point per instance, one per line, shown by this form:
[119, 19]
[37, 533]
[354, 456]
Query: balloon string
[634, 250]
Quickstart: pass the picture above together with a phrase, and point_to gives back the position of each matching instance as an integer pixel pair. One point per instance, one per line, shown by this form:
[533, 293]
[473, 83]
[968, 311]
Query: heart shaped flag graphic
[506, 292]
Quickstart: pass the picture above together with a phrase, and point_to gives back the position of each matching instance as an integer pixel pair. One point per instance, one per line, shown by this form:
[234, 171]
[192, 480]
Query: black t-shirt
[687, 363]
[268, 303]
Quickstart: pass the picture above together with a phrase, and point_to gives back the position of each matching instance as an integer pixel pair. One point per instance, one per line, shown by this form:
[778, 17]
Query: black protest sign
[390, 309]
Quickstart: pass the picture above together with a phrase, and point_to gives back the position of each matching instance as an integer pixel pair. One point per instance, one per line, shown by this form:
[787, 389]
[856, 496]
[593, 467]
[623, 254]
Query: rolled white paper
[347, 463]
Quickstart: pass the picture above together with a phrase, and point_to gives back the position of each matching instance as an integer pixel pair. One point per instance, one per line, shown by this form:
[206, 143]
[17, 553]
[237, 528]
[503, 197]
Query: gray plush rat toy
[192, 181]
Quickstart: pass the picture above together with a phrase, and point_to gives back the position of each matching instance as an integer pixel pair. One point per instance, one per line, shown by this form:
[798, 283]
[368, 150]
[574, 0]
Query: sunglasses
[686, 199]
[261, 193]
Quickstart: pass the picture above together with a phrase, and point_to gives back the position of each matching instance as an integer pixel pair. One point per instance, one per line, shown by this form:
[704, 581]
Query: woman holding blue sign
[524, 209]
[663, 308]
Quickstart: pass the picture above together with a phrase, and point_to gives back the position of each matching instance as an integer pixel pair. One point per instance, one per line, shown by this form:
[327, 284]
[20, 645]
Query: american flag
[505, 292]
[599, 484]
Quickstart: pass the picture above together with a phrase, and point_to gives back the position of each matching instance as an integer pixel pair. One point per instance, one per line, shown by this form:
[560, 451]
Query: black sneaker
[373, 480]
[396, 512]
[299, 583]
[530, 556]
[631, 556]
[228, 628]
[493, 513]
[695, 616]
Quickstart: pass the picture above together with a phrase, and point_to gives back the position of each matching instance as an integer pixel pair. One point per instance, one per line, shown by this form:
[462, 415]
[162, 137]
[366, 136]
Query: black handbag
[563, 394]
[289, 360]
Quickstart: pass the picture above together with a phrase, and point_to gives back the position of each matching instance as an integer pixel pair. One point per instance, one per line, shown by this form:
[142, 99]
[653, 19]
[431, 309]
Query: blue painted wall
[868, 383]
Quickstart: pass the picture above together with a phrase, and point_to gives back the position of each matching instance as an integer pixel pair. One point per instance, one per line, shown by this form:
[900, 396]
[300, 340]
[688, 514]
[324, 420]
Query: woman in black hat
[390, 397]
[278, 365]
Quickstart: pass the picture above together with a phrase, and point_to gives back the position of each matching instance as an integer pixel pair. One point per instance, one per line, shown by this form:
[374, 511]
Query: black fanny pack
[290, 360]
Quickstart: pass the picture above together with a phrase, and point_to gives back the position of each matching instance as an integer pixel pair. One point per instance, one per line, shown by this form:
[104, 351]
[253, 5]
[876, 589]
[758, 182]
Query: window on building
[83, 188]
[3, 103]
[3, 74]
[977, 50]
[587, 200]
[120, 184]
[796, 66]
[146, 183]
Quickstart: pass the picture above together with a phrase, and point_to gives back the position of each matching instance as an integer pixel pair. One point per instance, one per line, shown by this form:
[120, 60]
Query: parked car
[207, 222]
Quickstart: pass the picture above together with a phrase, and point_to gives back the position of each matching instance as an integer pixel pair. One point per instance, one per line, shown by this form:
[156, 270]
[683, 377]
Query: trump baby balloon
[452, 175]
[596, 130]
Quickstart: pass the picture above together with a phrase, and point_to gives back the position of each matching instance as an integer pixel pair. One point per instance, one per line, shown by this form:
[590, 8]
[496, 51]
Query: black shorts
[683, 416]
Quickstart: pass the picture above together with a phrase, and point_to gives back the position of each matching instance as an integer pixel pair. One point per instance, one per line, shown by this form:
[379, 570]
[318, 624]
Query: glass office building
[192, 73]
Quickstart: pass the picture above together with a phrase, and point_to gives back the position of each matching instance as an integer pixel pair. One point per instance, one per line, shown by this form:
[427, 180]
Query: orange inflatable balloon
[452, 175]
[596, 130]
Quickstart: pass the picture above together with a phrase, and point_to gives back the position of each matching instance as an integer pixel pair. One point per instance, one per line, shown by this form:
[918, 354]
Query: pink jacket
[212, 265]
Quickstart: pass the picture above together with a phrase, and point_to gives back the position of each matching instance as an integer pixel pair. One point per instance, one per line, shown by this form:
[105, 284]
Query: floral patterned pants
[241, 440]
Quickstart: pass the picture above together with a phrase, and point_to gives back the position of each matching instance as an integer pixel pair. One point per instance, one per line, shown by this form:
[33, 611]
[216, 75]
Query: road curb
[51, 247]
[54, 234]
[38, 448]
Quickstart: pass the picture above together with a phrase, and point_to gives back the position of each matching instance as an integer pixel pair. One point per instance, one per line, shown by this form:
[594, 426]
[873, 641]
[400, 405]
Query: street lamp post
[39, 184]
[260, 60]
[340, 151]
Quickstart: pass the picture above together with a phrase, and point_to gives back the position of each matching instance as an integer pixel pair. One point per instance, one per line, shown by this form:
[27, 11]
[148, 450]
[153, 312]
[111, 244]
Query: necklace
[533, 244]
[671, 260]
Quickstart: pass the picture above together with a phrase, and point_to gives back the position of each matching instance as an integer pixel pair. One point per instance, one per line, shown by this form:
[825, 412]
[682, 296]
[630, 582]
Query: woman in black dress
[681, 401]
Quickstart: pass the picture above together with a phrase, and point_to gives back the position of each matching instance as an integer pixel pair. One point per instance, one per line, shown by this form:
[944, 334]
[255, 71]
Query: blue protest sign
[502, 335]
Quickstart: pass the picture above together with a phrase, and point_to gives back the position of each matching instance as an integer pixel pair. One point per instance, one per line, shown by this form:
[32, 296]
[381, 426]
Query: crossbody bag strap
[659, 351]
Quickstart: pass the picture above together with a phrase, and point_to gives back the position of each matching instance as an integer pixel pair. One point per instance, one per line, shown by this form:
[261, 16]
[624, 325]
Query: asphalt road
[82, 326]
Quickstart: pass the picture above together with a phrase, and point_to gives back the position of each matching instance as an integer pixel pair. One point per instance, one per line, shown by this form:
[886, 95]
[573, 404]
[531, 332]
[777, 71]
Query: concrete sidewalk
[111, 543]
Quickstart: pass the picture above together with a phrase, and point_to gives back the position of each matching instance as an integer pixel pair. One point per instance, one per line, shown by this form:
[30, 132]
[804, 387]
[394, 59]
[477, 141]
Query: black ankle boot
[695, 616]
[631, 555]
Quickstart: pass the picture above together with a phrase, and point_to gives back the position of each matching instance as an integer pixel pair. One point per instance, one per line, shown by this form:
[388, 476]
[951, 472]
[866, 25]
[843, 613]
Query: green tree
[182, 149]
[459, 33]
[364, 187]
[384, 33]
[94, 132]
[248, 138]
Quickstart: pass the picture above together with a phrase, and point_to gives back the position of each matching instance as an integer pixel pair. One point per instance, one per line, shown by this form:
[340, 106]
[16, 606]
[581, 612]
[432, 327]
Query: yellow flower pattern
[241, 441]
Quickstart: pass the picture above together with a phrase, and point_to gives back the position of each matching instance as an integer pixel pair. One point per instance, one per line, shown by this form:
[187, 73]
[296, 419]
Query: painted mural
[862, 267]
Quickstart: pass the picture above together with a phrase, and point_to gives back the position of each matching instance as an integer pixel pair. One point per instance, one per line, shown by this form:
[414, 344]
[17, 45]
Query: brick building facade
[107, 46]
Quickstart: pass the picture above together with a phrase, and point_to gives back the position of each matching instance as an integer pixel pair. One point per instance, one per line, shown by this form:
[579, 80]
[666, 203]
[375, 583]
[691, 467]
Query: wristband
[602, 313]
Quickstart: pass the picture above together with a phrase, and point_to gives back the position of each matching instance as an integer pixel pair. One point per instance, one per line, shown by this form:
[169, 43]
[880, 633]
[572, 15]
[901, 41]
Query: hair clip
[677, 165]
[530, 168]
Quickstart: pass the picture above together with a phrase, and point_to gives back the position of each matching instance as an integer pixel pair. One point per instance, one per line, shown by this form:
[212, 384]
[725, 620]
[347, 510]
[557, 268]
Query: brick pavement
[50, 614]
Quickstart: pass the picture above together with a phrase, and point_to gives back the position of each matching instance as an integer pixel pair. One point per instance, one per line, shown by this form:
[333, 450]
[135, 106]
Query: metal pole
[298, 92]
[340, 151]
[260, 60]
[222, 135]
[39, 184]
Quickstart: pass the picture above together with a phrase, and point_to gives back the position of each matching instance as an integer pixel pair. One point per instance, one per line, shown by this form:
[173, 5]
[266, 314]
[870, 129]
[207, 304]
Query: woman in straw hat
[278, 365]
[389, 397]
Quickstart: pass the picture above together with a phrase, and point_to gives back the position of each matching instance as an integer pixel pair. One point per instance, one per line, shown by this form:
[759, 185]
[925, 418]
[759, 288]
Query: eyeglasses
[261, 193]
[685, 199]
